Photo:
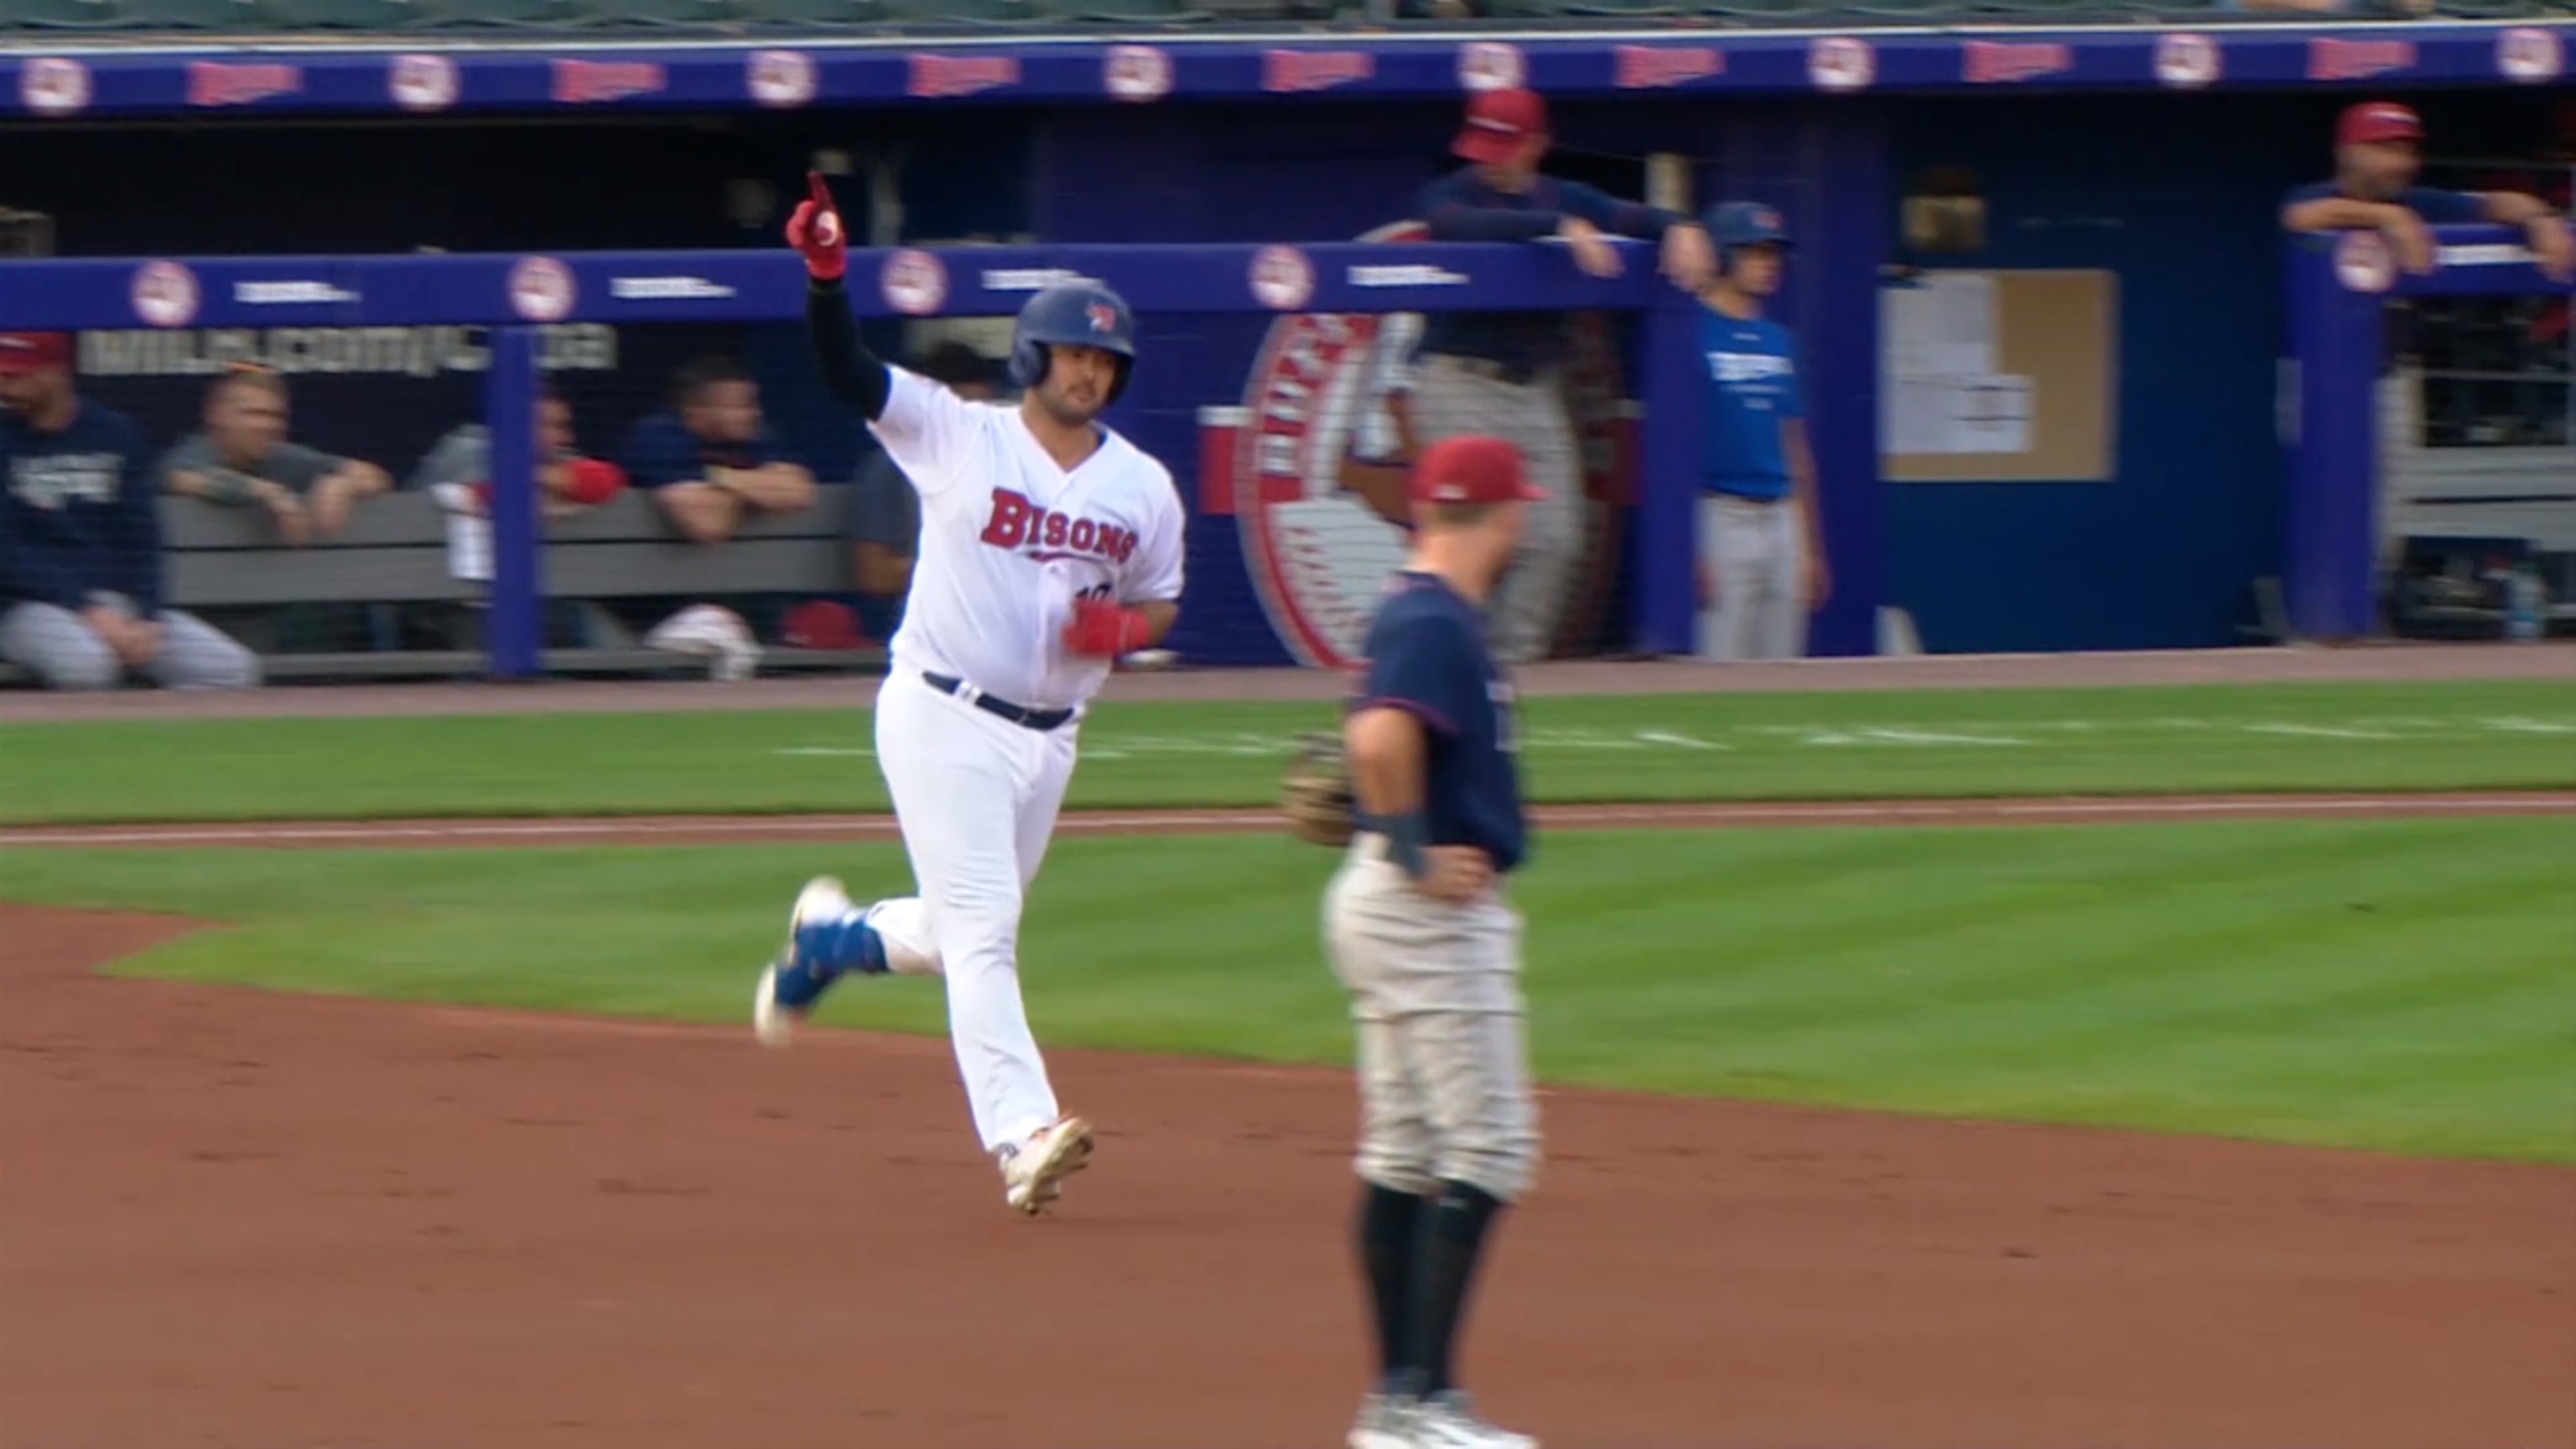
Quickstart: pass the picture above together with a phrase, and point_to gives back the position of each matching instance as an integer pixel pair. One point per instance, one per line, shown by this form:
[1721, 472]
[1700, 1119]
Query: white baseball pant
[977, 798]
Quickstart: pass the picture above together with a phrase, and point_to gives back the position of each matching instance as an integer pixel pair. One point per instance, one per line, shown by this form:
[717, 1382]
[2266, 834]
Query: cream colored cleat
[1033, 1175]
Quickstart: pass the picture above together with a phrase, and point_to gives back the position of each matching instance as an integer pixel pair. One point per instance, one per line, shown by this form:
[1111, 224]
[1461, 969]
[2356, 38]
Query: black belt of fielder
[1018, 714]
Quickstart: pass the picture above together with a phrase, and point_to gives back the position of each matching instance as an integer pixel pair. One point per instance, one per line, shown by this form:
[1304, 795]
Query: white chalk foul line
[1150, 821]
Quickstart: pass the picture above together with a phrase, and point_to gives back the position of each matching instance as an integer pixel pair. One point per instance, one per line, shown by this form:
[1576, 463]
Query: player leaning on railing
[2379, 153]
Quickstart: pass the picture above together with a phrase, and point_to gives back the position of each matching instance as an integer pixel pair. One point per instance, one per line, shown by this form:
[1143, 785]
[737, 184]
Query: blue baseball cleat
[827, 937]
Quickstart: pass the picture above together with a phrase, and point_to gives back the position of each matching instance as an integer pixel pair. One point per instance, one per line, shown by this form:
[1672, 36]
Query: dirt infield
[239, 1218]
[741, 829]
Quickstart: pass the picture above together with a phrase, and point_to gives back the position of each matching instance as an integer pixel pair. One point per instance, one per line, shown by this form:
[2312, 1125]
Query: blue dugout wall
[2175, 193]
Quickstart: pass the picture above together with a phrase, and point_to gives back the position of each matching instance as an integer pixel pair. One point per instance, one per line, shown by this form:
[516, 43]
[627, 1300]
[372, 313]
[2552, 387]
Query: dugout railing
[518, 593]
[524, 591]
[2494, 518]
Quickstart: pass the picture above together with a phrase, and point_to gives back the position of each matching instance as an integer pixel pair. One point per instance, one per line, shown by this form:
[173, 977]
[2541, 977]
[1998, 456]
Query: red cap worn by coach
[1471, 471]
[25, 352]
[2374, 121]
[1497, 123]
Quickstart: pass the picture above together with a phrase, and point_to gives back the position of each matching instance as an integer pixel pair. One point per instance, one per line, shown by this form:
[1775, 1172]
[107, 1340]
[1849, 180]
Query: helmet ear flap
[1028, 363]
[1118, 385]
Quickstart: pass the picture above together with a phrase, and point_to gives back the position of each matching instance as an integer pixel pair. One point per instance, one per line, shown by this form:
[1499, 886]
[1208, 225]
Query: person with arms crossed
[242, 456]
[1502, 374]
[709, 460]
[2379, 152]
[1761, 551]
[1429, 951]
[1050, 545]
[80, 541]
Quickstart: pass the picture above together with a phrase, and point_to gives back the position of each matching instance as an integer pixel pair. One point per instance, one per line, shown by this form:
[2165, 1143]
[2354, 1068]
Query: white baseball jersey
[1009, 540]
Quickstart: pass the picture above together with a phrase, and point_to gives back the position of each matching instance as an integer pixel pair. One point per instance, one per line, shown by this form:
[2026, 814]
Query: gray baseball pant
[1758, 552]
[60, 648]
[1443, 1061]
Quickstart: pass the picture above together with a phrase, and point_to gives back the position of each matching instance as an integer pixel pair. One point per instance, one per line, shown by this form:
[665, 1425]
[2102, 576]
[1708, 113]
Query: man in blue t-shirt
[2379, 151]
[1501, 374]
[709, 461]
[80, 540]
[1761, 551]
[1427, 947]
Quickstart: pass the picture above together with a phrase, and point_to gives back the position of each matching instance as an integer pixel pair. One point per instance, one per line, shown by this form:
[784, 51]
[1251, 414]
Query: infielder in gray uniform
[1502, 374]
[80, 541]
[1428, 948]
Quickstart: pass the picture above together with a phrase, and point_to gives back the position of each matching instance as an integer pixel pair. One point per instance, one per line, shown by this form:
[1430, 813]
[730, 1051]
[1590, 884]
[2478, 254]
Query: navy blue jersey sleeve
[1426, 668]
[1610, 214]
[2445, 208]
[661, 453]
[2308, 191]
[138, 524]
[1453, 211]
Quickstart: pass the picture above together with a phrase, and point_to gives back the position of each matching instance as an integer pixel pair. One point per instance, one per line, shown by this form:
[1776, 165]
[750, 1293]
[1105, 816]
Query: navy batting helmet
[1073, 314]
[1735, 224]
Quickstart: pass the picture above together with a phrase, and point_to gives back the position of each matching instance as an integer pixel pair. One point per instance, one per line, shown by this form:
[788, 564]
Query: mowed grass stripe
[2179, 739]
[2405, 985]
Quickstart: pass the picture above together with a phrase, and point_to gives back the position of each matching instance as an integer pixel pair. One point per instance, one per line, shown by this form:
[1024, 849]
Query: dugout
[2170, 198]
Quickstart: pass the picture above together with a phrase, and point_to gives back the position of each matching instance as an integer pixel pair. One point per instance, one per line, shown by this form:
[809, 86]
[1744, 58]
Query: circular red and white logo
[1841, 63]
[164, 294]
[779, 79]
[422, 82]
[2363, 262]
[915, 283]
[2530, 56]
[1491, 65]
[1282, 278]
[542, 289]
[54, 85]
[2186, 62]
[1136, 73]
[1315, 441]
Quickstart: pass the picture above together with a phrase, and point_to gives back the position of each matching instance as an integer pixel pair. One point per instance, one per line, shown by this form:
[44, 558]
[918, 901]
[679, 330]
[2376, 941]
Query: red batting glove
[816, 231]
[1102, 628]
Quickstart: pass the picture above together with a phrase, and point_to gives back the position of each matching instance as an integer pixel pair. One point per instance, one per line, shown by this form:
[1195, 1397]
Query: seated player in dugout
[567, 481]
[710, 461]
[80, 541]
[242, 458]
[2379, 153]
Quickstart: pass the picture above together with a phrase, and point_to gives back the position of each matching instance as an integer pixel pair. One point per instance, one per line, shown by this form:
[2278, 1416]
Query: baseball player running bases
[1428, 949]
[1050, 546]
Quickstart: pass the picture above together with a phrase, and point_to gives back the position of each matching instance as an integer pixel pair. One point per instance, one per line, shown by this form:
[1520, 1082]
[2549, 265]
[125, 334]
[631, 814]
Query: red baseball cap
[2377, 121]
[1471, 471]
[1497, 123]
[25, 352]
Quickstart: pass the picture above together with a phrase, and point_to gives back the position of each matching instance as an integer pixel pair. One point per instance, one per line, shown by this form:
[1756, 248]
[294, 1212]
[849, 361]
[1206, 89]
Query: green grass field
[2401, 985]
[1684, 747]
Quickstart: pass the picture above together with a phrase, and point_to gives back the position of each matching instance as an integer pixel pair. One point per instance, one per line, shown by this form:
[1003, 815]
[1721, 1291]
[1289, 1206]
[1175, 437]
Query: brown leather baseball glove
[1315, 794]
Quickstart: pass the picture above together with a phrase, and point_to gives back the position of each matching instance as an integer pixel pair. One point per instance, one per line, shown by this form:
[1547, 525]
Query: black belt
[1040, 720]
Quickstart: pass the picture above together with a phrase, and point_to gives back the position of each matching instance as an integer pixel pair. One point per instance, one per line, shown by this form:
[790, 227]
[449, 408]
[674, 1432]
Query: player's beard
[1064, 410]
